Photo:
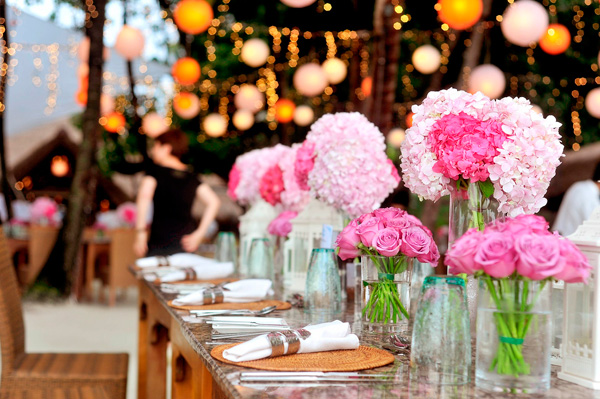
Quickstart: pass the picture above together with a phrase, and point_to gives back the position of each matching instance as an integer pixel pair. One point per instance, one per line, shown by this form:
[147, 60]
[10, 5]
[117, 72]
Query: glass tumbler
[323, 294]
[260, 259]
[441, 339]
[226, 248]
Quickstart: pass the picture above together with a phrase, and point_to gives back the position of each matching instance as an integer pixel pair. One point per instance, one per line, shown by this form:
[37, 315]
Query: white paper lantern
[335, 69]
[130, 42]
[427, 59]
[310, 80]
[592, 102]
[255, 52]
[396, 136]
[524, 22]
[154, 124]
[249, 97]
[215, 125]
[186, 105]
[107, 104]
[298, 3]
[83, 50]
[537, 109]
[243, 119]
[488, 79]
[303, 115]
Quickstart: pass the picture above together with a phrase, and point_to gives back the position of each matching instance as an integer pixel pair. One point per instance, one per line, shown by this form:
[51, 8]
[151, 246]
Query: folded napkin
[331, 336]
[183, 259]
[209, 271]
[249, 290]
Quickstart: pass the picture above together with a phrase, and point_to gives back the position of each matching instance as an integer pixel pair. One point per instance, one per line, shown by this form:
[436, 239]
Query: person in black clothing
[172, 188]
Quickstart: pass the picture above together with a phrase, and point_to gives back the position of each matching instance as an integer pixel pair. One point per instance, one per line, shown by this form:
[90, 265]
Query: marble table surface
[226, 376]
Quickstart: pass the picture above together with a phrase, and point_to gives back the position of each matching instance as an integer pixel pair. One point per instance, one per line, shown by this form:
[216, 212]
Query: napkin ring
[277, 339]
[162, 261]
[212, 296]
[190, 274]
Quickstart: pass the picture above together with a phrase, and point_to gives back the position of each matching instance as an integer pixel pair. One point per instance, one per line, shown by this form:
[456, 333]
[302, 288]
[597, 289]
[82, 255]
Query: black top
[172, 215]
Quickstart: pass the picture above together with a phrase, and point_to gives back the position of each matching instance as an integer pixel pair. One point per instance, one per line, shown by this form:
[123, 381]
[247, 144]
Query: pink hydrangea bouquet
[126, 213]
[515, 259]
[344, 164]
[44, 211]
[388, 237]
[504, 146]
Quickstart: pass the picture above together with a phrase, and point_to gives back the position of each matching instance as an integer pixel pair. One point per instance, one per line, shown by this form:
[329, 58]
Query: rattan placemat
[227, 305]
[363, 358]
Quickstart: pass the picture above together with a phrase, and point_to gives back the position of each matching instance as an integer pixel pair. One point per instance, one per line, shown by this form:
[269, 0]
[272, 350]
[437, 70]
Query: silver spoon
[239, 312]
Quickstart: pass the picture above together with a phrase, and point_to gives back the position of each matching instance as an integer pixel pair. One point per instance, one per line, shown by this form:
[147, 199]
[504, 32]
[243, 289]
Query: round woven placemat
[362, 358]
[227, 305]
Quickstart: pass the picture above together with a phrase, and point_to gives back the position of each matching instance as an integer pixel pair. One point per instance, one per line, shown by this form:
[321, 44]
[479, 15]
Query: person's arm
[211, 200]
[144, 198]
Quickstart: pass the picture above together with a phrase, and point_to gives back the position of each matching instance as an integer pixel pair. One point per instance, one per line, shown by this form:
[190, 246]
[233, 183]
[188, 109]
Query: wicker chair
[49, 375]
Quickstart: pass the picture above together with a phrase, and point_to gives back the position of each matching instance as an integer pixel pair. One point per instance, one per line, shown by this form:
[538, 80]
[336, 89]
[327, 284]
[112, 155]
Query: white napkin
[331, 336]
[183, 259]
[250, 290]
[209, 271]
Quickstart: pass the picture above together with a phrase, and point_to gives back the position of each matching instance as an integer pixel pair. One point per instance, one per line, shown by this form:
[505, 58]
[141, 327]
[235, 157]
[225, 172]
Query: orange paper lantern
[556, 40]
[59, 166]
[186, 105]
[284, 110]
[113, 122]
[367, 86]
[409, 119]
[460, 14]
[193, 16]
[186, 71]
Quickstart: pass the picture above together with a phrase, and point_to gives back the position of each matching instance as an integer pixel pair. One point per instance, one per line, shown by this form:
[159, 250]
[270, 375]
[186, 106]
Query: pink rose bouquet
[344, 164]
[389, 237]
[516, 258]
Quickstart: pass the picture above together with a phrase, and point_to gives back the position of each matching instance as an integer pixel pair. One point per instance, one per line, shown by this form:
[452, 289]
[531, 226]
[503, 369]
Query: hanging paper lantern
[154, 124]
[130, 42]
[395, 137]
[83, 70]
[426, 59]
[460, 14]
[284, 110]
[592, 102]
[193, 16]
[186, 71]
[335, 69]
[537, 109]
[488, 79]
[304, 115]
[215, 125]
[107, 104]
[113, 122]
[186, 105]
[524, 22]
[556, 40]
[243, 119]
[310, 80]
[409, 119]
[249, 97]
[255, 52]
[367, 86]
[298, 3]
[83, 50]
[59, 166]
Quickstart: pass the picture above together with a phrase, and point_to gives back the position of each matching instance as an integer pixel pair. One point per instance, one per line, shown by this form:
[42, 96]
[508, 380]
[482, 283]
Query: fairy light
[293, 49]
[331, 47]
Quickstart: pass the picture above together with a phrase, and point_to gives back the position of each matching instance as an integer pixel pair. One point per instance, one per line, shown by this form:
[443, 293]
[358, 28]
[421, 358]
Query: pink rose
[368, 229]
[281, 226]
[347, 241]
[234, 180]
[522, 224]
[432, 257]
[539, 256]
[365, 216]
[386, 214]
[577, 268]
[304, 164]
[413, 219]
[387, 242]
[399, 223]
[496, 255]
[537, 224]
[461, 256]
[415, 242]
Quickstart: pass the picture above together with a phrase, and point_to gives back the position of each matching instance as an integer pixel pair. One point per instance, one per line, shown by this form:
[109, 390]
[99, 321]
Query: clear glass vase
[385, 299]
[323, 293]
[514, 335]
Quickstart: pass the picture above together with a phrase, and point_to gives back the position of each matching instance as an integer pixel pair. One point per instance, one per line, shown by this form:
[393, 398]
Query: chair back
[12, 329]
[41, 242]
[121, 256]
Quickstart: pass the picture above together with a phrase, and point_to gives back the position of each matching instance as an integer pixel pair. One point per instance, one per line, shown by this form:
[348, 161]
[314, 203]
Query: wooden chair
[50, 374]
[41, 242]
[120, 257]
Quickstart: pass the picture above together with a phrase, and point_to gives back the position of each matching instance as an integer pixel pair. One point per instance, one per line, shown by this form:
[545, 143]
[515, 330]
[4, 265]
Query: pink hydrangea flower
[271, 185]
[234, 180]
[44, 211]
[126, 213]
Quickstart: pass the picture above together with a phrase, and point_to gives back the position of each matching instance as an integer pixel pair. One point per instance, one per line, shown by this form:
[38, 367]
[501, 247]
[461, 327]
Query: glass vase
[469, 208]
[385, 301]
[323, 293]
[514, 335]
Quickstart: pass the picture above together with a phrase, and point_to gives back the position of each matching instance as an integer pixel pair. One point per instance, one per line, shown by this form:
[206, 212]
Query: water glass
[323, 294]
[226, 248]
[260, 259]
[441, 339]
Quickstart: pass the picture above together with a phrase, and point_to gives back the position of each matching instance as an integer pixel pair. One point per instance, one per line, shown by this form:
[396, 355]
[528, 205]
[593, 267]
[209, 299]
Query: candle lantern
[580, 347]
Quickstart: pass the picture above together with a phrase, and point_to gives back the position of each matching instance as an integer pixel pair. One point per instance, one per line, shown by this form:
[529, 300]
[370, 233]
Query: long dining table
[196, 374]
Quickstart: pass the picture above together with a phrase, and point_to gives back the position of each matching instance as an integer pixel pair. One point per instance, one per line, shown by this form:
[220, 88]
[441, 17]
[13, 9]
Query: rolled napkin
[183, 259]
[249, 290]
[331, 336]
[209, 271]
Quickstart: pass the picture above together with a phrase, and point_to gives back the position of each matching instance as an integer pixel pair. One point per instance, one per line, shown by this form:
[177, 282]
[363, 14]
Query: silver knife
[315, 376]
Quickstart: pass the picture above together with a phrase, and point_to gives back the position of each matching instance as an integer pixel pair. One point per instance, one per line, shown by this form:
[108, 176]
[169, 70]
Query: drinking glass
[260, 259]
[226, 248]
[441, 339]
[323, 293]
